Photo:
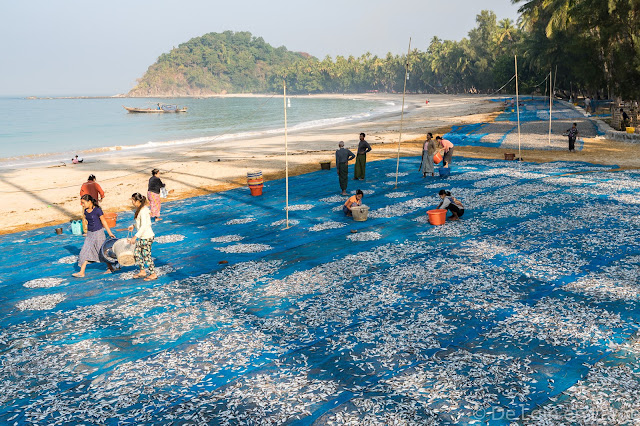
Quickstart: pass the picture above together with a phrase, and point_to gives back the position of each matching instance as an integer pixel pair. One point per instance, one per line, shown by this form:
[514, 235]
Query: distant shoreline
[234, 95]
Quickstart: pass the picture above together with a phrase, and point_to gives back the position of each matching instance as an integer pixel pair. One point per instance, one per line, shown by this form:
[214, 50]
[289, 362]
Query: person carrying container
[143, 239]
[96, 225]
[445, 148]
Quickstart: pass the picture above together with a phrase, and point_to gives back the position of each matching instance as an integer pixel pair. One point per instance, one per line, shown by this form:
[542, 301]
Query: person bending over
[445, 148]
[450, 203]
[353, 201]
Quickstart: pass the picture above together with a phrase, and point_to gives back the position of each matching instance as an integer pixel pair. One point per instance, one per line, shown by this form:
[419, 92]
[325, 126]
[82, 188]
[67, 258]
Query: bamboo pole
[550, 103]
[286, 154]
[404, 91]
[518, 106]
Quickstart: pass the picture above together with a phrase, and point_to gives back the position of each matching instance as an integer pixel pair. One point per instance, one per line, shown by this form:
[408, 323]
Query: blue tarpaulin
[495, 317]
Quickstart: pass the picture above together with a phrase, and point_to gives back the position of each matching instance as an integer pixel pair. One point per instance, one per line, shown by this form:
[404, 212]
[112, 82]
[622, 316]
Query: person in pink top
[446, 149]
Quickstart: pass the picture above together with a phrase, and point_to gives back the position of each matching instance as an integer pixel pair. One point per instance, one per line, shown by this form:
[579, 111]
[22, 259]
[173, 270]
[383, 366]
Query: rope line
[510, 80]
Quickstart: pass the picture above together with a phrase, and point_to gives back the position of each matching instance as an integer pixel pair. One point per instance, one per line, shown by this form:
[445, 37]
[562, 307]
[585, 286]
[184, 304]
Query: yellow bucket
[631, 129]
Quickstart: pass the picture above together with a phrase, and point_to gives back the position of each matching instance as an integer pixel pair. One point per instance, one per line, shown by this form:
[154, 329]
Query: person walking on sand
[353, 201]
[572, 133]
[96, 224]
[361, 158]
[143, 239]
[445, 148]
[343, 156]
[428, 150]
[450, 203]
[153, 194]
[93, 188]
[624, 123]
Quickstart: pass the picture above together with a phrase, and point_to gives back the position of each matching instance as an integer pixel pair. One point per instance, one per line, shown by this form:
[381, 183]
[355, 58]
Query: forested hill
[217, 63]
[592, 46]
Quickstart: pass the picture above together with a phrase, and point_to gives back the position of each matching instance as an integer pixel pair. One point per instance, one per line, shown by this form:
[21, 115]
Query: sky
[80, 47]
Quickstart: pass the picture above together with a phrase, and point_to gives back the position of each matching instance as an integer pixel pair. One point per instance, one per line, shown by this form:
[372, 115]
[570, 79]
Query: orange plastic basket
[256, 190]
[111, 219]
[437, 158]
[437, 216]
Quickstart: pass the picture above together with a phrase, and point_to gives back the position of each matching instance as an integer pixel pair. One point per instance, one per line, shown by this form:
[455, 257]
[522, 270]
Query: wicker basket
[360, 213]
[124, 252]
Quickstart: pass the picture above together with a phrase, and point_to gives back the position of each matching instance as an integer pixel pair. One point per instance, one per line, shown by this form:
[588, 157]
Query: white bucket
[124, 252]
[360, 213]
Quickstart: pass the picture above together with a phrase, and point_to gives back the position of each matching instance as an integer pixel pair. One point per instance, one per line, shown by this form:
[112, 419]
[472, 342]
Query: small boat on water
[161, 108]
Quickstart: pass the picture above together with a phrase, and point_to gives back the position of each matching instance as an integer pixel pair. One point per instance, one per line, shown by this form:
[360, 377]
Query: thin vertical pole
[404, 91]
[518, 106]
[286, 154]
[550, 102]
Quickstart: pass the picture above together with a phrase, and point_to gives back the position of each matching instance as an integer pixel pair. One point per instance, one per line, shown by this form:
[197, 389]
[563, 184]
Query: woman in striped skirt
[144, 237]
[96, 224]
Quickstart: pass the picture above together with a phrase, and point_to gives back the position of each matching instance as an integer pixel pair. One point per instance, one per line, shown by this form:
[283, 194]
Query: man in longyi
[343, 156]
[361, 158]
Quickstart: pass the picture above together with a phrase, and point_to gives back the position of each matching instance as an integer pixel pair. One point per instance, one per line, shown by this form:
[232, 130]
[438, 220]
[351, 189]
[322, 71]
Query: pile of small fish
[525, 310]
[44, 282]
[245, 248]
[283, 222]
[331, 224]
[41, 303]
[164, 239]
[68, 260]
[364, 236]
[300, 207]
[240, 221]
[227, 239]
[398, 194]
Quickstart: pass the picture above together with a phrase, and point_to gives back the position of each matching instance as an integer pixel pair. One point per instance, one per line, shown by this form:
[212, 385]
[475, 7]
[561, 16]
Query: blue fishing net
[534, 122]
[488, 319]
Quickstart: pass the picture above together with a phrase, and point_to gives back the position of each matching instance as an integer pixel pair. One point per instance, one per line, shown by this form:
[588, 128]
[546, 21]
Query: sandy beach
[40, 196]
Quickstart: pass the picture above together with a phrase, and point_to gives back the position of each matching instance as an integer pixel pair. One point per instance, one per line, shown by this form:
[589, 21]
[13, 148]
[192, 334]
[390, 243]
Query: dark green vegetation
[593, 44]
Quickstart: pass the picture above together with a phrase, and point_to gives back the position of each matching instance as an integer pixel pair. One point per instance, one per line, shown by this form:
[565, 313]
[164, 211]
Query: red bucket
[111, 219]
[437, 158]
[437, 216]
[256, 190]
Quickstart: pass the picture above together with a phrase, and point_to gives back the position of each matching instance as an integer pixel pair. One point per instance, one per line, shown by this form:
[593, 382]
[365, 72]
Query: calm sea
[36, 131]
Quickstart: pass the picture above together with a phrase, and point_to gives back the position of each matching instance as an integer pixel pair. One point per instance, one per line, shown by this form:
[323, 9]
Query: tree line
[592, 44]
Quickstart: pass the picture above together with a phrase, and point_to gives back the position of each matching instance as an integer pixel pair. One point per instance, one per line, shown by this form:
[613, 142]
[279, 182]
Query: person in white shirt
[143, 239]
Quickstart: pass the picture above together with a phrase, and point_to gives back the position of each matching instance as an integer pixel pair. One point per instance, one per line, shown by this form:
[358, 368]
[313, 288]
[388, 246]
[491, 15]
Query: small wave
[51, 159]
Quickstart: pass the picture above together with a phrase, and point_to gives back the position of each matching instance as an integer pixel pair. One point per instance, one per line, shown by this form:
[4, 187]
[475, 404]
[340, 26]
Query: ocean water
[36, 131]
